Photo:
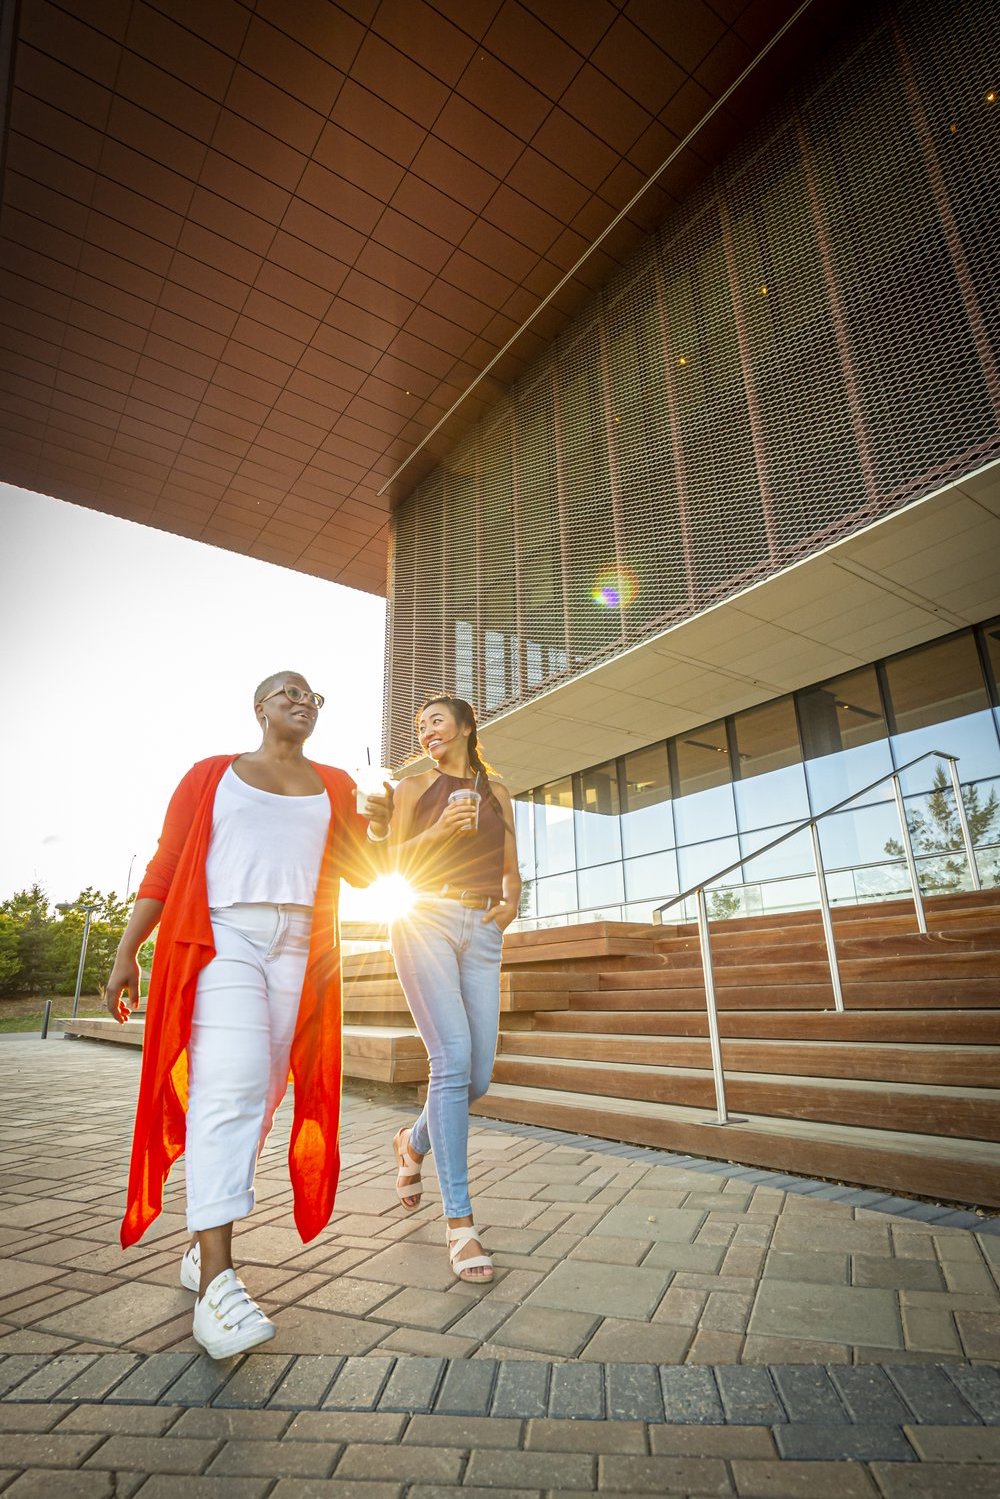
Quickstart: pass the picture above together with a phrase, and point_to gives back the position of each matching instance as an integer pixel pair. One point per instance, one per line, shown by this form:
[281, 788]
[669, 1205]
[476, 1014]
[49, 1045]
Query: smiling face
[276, 712]
[438, 730]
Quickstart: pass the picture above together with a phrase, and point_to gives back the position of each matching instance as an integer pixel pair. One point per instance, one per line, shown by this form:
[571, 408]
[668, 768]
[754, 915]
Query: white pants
[245, 1010]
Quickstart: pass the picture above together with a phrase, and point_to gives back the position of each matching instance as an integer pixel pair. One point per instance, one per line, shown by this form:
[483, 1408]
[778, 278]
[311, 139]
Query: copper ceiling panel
[254, 255]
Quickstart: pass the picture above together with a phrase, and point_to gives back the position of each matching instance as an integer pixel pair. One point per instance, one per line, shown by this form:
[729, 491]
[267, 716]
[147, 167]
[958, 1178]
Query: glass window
[652, 877]
[523, 833]
[991, 639]
[554, 844]
[556, 895]
[939, 702]
[793, 857]
[647, 818]
[601, 886]
[598, 838]
[868, 835]
[771, 784]
[704, 807]
[935, 684]
[845, 738]
[700, 861]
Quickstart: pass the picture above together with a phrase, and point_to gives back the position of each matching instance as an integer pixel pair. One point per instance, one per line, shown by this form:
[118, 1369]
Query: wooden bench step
[953, 1066]
[955, 1170]
[969, 1112]
[958, 1027]
[620, 992]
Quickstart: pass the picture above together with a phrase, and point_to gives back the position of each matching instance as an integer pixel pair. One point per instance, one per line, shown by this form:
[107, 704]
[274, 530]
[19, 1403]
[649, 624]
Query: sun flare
[386, 899]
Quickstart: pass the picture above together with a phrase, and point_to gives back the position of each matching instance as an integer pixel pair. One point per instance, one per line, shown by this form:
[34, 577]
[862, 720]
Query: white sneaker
[227, 1320]
[191, 1268]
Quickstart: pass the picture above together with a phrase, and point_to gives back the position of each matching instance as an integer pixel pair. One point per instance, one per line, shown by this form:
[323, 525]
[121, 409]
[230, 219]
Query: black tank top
[468, 861]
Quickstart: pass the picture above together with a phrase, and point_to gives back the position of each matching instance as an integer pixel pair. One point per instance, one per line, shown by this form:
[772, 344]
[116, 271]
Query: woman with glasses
[453, 836]
[245, 982]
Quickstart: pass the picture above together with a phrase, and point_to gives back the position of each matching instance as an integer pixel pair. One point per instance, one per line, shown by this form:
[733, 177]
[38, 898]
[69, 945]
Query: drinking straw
[475, 784]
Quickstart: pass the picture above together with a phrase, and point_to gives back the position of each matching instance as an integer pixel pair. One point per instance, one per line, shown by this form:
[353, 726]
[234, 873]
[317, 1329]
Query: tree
[937, 830]
[40, 953]
[28, 910]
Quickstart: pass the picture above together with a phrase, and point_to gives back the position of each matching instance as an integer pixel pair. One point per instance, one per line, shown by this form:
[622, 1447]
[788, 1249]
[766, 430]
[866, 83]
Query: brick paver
[652, 1328]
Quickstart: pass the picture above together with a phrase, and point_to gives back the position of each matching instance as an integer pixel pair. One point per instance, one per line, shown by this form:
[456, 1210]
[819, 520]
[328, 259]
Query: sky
[128, 655]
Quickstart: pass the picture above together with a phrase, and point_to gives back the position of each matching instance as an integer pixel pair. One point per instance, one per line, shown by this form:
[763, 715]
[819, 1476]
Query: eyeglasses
[297, 695]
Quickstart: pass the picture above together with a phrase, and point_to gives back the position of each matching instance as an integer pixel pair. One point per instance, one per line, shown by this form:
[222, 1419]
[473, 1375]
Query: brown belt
[469, 898]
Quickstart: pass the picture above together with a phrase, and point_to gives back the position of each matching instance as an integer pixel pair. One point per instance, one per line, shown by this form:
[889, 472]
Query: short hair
[271, 683]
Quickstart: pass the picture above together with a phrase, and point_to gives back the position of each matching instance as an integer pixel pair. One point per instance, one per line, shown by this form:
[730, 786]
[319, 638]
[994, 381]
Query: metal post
[83, 959]
[713, 1019]
[824, 907]
[963, 821]
[45, 1019]
[918, 900]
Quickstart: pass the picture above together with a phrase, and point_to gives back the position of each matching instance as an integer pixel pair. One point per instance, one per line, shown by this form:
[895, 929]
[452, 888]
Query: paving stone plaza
[656, 1325]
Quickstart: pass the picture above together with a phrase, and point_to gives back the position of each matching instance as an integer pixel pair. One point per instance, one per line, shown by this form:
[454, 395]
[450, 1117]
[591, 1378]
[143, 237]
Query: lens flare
[615, 588]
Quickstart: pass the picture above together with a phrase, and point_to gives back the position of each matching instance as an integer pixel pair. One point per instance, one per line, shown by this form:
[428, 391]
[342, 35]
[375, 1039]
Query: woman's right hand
[125, 977]
[456, 817]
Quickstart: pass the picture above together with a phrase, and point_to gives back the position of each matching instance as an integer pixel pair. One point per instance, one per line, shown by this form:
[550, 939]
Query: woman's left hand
[378, 809]
[502, 914]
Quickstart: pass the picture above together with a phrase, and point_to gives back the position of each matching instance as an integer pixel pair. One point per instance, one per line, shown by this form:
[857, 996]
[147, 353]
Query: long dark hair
[464, 715]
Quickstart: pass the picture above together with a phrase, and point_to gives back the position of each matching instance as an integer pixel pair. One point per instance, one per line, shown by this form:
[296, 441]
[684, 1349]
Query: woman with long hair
[452, 833]
[245, 981]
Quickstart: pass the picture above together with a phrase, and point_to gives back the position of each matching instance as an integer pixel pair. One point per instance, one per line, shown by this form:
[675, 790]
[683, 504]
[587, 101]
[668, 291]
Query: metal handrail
[698, 891]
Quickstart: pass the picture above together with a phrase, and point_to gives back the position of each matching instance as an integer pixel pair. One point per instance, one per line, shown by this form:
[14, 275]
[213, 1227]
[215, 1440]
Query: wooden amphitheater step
[389, 1054]
[811, 948]
[973, 1113]
[871, 994]
[965, 908]
[955, 1170]
[952, 1065]
[101, 1028]
[950, 1027]
[518, 991]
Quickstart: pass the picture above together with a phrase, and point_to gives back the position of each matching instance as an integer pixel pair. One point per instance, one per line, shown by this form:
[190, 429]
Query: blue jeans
[448, 962]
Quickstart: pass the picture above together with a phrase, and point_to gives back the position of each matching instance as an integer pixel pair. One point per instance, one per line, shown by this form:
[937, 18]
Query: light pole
[66, 906]
[128, 877]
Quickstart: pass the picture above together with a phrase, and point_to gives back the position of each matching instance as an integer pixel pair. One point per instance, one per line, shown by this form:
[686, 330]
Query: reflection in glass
[859, 836]
[556, 895]
[647, 822]
[940, 701]
[554, 846]
[652, 877]
[704, 807]
[601, 886]
[700, 861]
[844, 737]
[597, 833]
[793, 857]
[771, 784]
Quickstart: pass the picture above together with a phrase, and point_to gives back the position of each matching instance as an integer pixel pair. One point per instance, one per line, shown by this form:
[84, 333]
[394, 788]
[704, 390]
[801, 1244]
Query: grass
[25, 1015]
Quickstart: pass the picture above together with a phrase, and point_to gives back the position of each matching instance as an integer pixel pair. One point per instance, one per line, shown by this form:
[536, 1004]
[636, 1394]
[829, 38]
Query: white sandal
[409, 1166]
[456, 1239]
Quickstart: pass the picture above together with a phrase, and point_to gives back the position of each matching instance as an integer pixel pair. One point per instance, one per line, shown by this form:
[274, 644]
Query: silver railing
[698, 892]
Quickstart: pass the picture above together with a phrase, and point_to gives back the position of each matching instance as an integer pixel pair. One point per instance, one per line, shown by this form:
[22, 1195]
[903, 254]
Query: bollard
[45, 1019]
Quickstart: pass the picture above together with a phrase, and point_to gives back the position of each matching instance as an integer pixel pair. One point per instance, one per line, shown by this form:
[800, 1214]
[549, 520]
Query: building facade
[805, 353]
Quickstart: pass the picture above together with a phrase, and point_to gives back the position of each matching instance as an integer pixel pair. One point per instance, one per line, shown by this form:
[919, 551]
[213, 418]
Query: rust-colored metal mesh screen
[810, 343]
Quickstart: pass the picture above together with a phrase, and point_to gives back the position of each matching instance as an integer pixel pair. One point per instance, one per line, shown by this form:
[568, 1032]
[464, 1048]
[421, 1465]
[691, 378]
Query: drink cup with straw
[370, 780]
[469, 798]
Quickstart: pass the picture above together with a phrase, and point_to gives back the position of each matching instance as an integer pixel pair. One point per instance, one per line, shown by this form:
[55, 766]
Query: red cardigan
[184, 945]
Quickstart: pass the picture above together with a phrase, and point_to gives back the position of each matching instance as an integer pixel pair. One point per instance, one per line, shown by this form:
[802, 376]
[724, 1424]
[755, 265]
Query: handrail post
[911, 864]
[963, 822]
[824, 906]
[713, 1018]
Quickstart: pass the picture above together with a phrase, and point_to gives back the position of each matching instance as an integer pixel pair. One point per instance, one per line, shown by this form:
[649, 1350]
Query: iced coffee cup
[370, 781]
[469, 801]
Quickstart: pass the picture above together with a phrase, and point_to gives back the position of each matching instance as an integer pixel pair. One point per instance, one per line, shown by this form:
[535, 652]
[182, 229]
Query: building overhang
[261, 266]
[919, 573]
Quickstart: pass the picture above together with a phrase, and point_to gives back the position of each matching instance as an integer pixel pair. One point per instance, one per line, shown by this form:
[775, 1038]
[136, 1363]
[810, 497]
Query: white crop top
[264, 847]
